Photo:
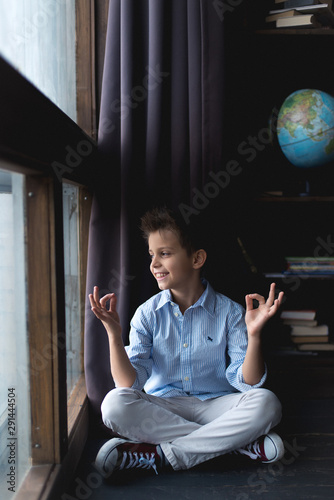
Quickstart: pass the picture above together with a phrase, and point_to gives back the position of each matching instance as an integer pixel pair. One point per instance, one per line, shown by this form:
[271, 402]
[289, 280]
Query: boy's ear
[199, 258]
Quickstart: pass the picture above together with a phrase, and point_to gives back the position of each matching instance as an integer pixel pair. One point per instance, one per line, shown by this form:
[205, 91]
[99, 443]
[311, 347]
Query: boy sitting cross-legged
[197, 355]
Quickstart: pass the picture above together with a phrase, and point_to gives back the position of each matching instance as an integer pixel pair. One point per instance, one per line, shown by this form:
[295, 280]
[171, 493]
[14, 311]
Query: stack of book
[310, 266]
[301, 14]
[305, 333]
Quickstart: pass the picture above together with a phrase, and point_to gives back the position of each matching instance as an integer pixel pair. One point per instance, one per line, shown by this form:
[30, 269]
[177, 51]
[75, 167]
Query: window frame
[36, 139]
[15, 355]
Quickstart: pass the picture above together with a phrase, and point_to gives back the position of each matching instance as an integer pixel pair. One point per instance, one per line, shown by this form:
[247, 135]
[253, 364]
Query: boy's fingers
[91, 300]
[271, 296]
[96, 294]
[105, 299]
[249, 303]
[98, 313]
[257, 297]
[113, 302]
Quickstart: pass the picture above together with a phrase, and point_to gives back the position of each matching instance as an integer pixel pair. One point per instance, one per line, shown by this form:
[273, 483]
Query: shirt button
[186, 379]
[176, 314]
[185, 345]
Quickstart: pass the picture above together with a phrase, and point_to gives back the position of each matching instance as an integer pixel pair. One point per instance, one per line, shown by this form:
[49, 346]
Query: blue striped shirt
[199, 353]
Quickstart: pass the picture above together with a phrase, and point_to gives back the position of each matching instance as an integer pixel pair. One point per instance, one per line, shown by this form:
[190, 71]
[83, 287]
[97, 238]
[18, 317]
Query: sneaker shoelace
[252, 450]
[131, 460]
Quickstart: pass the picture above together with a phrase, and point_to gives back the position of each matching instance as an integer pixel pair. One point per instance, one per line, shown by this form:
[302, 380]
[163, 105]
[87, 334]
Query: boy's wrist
[114, 335]
[254, 336]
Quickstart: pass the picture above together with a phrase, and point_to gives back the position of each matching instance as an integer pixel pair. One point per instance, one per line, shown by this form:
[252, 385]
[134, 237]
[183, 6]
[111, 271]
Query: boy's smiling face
[171, 265]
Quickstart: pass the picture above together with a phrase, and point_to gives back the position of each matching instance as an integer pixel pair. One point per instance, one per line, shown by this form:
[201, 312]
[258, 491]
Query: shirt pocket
[210, 352]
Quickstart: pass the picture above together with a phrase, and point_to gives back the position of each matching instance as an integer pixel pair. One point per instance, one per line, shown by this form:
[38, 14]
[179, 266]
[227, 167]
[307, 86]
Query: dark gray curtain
[160, 134]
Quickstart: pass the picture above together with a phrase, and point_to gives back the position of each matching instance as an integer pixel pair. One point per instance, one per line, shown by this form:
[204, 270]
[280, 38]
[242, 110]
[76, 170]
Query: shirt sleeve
[139, 348]
[237, 340]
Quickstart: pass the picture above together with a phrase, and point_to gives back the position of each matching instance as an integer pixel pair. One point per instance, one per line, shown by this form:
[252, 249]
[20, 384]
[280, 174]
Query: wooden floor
[305, 386]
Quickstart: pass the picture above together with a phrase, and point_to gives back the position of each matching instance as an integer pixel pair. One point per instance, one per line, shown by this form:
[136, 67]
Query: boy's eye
[163, 254]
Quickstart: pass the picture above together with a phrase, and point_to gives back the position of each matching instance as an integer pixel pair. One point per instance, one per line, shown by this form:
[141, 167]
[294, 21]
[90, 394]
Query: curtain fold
[160, 134]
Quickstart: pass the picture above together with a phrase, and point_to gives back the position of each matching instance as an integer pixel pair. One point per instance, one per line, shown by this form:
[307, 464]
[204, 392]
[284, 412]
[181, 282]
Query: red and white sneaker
[268, 449]
[119, 454]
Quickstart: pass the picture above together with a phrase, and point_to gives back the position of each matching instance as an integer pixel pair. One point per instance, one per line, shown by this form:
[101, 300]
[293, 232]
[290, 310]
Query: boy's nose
[155, 262]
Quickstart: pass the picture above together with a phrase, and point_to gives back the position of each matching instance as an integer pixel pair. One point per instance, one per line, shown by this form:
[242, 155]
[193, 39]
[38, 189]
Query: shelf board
[296, 31]
[298, 199]
[301, 275]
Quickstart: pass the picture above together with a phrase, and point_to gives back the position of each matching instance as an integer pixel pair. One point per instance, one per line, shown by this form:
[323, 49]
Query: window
[38, 38]
[14, 373]
[41, 39]
[74, 346]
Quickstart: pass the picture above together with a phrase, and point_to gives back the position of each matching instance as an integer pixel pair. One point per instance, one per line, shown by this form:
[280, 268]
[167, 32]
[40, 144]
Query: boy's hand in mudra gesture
[256, 318]
[108, 315]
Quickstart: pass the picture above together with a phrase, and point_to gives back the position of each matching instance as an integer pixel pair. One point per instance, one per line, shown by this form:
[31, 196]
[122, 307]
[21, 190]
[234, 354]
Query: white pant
[191, 431]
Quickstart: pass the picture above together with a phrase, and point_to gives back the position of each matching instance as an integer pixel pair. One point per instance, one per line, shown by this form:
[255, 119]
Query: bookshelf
[295, 226]
[253, 17]
[263, 67]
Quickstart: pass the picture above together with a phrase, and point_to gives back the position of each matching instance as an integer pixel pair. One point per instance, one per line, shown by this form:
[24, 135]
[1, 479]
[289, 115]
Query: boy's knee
[113, 405]
[270, 404]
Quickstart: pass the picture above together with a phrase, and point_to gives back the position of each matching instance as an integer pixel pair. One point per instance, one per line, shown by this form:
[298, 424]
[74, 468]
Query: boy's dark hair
[162, 218]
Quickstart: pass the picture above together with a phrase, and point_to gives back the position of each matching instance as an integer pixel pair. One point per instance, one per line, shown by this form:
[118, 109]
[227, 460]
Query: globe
[305, 128]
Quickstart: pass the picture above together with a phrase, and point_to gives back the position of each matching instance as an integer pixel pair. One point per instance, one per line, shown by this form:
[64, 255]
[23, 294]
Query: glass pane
[38, 38]
[14, 373]
[72, 285]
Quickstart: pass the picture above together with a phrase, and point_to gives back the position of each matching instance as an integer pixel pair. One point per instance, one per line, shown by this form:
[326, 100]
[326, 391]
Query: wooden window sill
[49, 481]
[75, 403]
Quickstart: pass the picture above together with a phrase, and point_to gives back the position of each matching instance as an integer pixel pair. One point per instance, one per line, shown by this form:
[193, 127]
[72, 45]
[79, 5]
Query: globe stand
[304, 188]
[298, 187]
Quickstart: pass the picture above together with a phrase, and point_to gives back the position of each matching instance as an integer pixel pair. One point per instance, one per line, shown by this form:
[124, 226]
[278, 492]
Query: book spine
[299, 3]
[310, 339]
[298, 314]
[315, 347]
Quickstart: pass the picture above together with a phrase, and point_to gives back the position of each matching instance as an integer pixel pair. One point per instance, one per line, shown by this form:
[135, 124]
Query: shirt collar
[207, 300]
[165, 297]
